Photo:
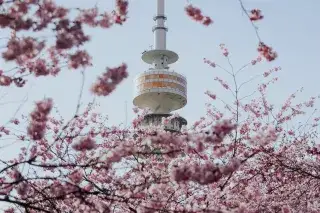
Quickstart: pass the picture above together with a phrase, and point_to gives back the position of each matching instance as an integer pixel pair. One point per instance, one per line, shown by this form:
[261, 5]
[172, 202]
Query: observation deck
[162, 91]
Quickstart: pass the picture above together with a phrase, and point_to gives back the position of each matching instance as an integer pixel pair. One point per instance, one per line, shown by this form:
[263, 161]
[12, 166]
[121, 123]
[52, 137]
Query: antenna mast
[160, 30]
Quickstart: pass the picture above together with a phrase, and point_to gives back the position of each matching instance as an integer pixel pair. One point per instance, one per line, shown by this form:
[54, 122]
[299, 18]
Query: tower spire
[160, 57]
[159, 29]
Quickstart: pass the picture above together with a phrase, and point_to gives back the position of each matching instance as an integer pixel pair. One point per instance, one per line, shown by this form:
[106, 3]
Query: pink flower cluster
[198, 122]
[76, 176]
[23, 190]
[121, 11]
[255, 15]
[314, 151]
[212, 64]
[221, 129]
[39, 67]
[16, 175]
[138, 120]
[214, 113]
[266, 136]
[119, 152]
[39, 118]
[4, 130]
[10, 210]
[89, 16]
[47, 12]
[267, 73]
[196, 14]
[211, 95]
[86, 143]
[14, 17]
[15, 121]
[218, 131]
[204, 174]
[224, 84]
[310, 103]
[5, 80]
[109, 80]
[22, 49]
[267, 52]
[225, 51]
[69, 36]
[255, 61]
[80, 58]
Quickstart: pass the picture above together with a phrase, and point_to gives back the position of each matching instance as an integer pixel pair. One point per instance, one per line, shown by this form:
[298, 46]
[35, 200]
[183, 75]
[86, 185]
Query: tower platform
[162, 91]
[150, 55]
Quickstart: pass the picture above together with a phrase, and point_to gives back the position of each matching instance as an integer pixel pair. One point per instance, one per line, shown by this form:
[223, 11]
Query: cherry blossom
[267, 52]
[196, 14]
[85, 144]
[256, 15]
[109, 80]
[39, 117]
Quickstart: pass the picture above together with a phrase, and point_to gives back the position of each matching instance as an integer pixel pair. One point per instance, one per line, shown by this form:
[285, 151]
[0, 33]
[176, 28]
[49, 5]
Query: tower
[159, 88]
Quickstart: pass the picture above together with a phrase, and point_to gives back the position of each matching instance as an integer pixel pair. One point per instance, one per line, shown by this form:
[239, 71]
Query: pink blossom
[10, 210]
[255, 15]
[224, 84]
[88, 16]
[16, 175]
[39, 68]
[267, 52]
[212, 64]
[285, 210]
[69, 36]
[85, 144]
[223, 128]
[23, 189]
[203, 174]
[213, 96]
[231, 167]
[15, 121]
[109, 80]
[39, 117]
[80, 58]
[76, 176]
[225, 52]
[5, 80]
[105, 21]
[22, 49]
[196, 14]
